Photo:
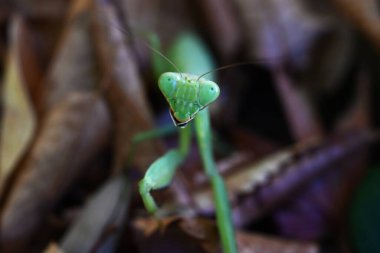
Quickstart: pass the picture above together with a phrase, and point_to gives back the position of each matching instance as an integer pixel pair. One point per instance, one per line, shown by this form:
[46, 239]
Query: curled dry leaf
[5, 13]
[203, 232]
[357, 115]
[74, 130]
[223, 21]
[40, 32]
[364, 15]
[74, 65]
[304, 165]
[319, 207]
[18, 122]
[313, 41]
[298, 108]
[30, 59]
[105, 210]
[280, 30]
[252, 243]
[258, 188]
[72, 134]
[41, 8]
[53, 248]
[166, 18]
[151, 225]
[176, 234]
[123, 88]
[243, 181]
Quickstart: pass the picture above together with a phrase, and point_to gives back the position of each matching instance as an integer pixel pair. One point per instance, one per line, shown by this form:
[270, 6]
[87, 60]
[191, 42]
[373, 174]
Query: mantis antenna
[163, 56]
[125, 31]
[231, 66]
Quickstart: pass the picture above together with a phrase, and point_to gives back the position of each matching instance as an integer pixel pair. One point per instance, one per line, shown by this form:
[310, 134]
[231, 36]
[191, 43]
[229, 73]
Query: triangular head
[187, 95]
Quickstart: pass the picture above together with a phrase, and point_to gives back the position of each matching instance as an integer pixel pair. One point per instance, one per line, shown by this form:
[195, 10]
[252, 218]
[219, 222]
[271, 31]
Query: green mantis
[188, 96]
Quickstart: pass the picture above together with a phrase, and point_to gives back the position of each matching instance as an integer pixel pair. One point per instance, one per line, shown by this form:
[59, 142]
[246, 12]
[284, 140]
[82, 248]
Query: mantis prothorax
[189, 95]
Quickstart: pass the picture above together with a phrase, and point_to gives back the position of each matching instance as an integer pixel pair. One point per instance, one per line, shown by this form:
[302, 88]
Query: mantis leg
[148, 135]
[161, 172]
[155, 133]
[223, 211]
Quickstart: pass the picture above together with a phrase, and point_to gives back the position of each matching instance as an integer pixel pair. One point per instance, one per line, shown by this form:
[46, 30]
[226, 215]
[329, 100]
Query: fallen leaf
[257, 188]
[18, 122]
[53, 248]
[106, 208]
[176, 234]
[152, 225]
[253, 243]
[363, 15]
[72, 134]
[74, 129]
[123, 89]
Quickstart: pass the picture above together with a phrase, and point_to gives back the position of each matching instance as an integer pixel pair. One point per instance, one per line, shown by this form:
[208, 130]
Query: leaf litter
[91, 91]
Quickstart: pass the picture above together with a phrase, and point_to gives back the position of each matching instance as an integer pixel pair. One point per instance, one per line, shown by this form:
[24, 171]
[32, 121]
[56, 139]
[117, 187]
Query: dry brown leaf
[42, 24]
[203, 232]
[53, 248]
[201, 229]
[244, 179]
[74, 65]
[18, 122]
[72, 134]
[175, 233]
[280, 30]
[364, 15]
[31, 62]
[41, 8]
[221, 24]
[74, 130]
[101, 219]
[257, 188]
[123, 88]
[314, 43]
[298, 108]
[151, 225]
[358, 113]
[252, 243]
[164, 17]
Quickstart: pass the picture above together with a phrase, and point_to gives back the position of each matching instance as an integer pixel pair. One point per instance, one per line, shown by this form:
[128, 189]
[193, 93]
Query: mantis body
[188, 96]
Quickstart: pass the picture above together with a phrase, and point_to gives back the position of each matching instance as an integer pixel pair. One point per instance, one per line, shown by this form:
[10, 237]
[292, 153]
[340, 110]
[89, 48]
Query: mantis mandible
[188, 95]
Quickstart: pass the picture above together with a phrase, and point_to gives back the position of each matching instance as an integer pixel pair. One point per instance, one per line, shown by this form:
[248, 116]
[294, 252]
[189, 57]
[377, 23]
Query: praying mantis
[188, 95]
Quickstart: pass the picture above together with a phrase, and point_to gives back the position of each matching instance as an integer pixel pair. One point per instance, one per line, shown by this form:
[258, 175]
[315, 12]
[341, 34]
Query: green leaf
[364, 217]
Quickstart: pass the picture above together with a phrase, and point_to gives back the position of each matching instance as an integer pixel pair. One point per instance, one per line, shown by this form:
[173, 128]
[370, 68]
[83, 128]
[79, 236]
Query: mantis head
[187, 94]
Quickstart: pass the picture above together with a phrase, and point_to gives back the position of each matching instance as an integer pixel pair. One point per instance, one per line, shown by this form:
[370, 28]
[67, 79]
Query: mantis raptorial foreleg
[161, 172]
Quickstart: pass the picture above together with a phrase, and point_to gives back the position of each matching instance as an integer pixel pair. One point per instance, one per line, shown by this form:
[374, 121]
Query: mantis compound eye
[208, 92]
[168, 83]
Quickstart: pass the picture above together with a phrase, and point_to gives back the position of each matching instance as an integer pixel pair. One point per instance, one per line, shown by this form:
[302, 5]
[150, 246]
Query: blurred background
[294, 130]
